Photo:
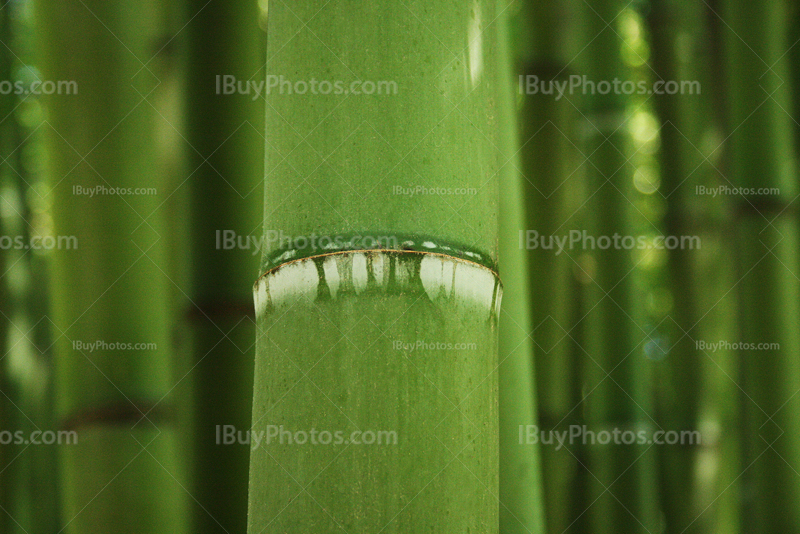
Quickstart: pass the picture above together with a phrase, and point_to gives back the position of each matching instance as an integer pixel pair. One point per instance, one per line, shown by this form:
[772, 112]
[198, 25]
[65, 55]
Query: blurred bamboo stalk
[719, 465]
[674, 27]
[34, 471]
[6, 135]
[109, 285]
[622, 477]
[762, 158]
[225, 132]
[544, 48]
[226, 153]
[521, 498]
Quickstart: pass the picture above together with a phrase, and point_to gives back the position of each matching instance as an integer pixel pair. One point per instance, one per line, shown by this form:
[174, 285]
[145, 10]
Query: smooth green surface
[90, 466]
[333, 162]
[521, 499]
[113, 288]
[226, 194]
[719, 482]
[389, 351]
[101, 289]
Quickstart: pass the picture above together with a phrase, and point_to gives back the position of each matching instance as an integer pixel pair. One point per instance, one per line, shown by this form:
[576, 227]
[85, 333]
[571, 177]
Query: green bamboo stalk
[19, 360]
[544, 49]
[5, 405]
[767, 237]
[174, 150]
[679, 387]
[225, 130]
[34, 503]
[721, 455]
[350, 341]
[719, 461]
[686, 47]
[521, 499]
[617, 385]
[121, 476]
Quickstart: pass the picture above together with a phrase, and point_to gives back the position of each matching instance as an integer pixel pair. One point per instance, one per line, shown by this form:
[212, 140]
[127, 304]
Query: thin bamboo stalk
[719, 461]
[710, 500]
[5, 405]
[33, 472]
[521, 498]
[122, 475]
[549, 161]
[617, 386]
[226, 161]
[679, 387]
[762, 144]
[367, 339]
[721, 457]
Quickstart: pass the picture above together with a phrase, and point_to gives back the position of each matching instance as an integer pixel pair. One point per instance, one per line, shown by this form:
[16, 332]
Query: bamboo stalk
[226, 158]
[721, 457]
[719, 462]
[679, 387]
[766, 235]
[5, 405]
[336, 331]
[617, 383]
[521, 498]
[544, 50]
[122, 475]
[710, 500]
[33, 473]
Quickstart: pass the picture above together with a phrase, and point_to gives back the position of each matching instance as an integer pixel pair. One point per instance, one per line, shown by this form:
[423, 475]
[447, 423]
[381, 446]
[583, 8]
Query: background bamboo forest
[485, 266]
